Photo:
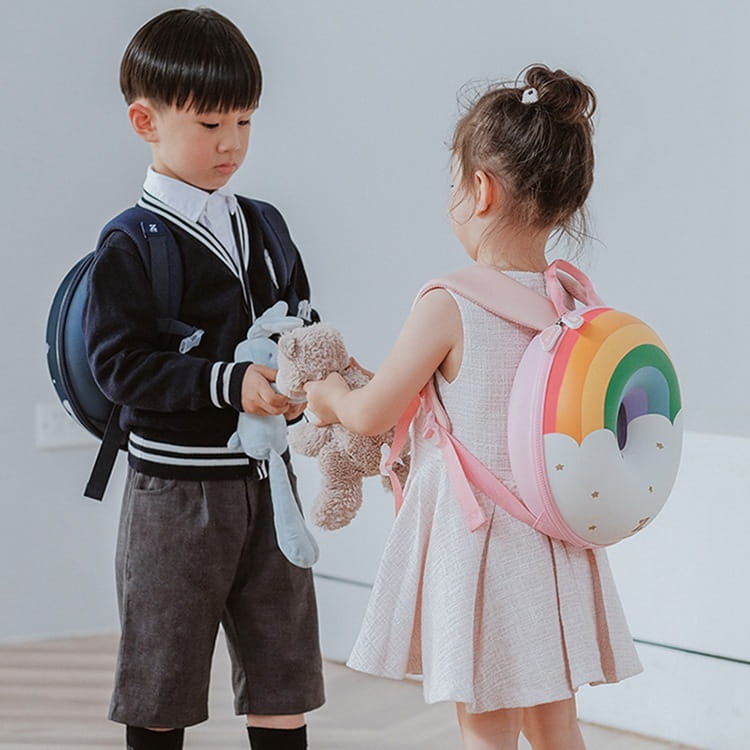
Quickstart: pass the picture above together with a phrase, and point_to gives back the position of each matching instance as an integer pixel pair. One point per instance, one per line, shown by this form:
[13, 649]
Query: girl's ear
[488, 191]
[143, 120]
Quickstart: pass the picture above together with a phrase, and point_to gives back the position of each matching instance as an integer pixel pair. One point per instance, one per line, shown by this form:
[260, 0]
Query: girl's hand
[322, 397]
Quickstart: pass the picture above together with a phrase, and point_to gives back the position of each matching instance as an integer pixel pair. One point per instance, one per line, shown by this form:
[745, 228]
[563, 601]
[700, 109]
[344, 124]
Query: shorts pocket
[148, 485]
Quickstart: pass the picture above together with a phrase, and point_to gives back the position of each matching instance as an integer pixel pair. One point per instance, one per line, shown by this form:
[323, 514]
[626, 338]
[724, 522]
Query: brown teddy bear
[312, 353]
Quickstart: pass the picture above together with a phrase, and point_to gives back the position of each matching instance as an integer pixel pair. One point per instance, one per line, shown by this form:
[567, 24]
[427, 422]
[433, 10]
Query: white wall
[68, 163]
[360, 99]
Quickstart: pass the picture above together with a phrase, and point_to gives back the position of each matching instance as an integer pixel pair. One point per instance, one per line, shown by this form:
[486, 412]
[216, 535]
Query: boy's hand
[294, 410]
[257, 395]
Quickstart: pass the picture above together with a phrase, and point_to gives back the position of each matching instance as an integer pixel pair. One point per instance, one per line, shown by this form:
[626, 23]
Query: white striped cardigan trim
[221, 376]
[203, 235]
[196, 456]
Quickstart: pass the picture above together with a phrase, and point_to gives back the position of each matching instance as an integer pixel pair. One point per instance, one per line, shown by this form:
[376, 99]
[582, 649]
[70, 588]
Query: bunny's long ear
[287, 324]
[258, 330]
[275, 312]
[267, 323]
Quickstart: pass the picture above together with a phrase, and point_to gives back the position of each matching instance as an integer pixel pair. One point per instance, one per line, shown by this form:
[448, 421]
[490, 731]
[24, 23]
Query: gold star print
[641, 524]
[595, 494]
[660, 446]
[559, 467]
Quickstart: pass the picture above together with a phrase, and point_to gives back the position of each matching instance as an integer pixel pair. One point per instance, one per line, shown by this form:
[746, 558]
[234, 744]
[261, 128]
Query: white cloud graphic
[605, 494]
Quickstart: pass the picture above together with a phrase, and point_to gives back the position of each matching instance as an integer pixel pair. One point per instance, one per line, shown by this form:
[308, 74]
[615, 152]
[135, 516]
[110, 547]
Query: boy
[196, 543]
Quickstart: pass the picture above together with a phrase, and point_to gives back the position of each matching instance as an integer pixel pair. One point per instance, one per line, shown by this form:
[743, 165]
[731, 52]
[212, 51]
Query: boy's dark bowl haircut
[191, 59]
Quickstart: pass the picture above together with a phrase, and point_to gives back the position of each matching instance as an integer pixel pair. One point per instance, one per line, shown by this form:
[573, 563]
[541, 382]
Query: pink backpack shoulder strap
[507, 298]
[498, 294]
[463, 468]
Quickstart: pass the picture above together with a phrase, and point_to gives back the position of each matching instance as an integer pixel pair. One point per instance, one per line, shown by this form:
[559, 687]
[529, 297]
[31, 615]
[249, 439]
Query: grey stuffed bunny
[265, 438]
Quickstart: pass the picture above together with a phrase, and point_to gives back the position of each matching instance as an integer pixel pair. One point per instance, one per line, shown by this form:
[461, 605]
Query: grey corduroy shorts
[191, 555]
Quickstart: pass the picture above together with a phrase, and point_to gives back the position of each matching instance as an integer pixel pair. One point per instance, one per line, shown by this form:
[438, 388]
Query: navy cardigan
[180, 409]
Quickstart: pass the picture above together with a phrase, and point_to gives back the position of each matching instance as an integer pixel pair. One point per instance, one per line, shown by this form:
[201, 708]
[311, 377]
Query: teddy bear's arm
[308, 439]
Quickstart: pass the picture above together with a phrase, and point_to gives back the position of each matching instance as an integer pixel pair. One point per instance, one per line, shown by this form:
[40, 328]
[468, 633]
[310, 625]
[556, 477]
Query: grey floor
[54, 694]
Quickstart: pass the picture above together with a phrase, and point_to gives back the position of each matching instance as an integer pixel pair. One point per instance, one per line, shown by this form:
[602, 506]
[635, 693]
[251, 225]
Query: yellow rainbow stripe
[576, 407]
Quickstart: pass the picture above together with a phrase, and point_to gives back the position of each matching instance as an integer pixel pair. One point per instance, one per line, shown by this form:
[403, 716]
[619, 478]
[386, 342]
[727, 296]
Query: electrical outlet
[55, 428]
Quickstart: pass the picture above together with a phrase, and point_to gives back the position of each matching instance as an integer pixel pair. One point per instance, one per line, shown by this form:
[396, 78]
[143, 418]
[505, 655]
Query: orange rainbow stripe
[591, 370]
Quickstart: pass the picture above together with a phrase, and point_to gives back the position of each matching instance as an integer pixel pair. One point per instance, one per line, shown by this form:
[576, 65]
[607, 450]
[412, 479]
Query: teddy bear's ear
[288, 344]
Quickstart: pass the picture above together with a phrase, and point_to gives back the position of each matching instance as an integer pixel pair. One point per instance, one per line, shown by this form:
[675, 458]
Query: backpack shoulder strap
[162, 260]
[498, 294]
[163, 263]
[267, 227]
[272, 220]
[159, 252]
[462, 467]
[278, 241]
[507, 298]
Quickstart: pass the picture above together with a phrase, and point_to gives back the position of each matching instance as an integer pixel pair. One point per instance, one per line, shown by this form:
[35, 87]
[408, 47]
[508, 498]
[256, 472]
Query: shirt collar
[185, 199]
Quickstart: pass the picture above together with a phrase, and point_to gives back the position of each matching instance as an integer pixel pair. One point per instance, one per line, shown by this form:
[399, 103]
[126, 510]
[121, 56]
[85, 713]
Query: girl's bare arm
[430, 333]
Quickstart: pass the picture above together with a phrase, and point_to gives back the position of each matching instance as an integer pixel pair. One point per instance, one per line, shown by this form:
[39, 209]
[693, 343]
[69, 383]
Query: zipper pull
[572, 319]
[549, 336]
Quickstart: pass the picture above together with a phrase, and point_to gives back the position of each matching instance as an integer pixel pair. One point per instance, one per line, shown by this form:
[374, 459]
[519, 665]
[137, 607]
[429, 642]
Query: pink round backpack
[594, 419]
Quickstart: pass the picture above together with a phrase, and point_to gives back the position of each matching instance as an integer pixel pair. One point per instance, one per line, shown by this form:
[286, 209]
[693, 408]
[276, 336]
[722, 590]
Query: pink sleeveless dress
[503, 617]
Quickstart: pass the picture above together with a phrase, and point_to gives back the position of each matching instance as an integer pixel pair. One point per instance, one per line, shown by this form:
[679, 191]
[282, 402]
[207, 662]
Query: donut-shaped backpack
[594, 419]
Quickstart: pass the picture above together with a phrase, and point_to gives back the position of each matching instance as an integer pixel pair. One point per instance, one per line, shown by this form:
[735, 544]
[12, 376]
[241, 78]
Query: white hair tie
[530, 96]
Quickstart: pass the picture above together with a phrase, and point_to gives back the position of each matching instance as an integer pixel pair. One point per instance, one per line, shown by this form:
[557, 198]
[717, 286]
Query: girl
[504, 621]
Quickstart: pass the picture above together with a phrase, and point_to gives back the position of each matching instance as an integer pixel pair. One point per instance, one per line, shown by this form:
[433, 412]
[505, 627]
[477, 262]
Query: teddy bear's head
[310, 353]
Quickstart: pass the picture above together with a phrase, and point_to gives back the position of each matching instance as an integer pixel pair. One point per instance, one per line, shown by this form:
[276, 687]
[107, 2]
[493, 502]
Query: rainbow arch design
[606, 373]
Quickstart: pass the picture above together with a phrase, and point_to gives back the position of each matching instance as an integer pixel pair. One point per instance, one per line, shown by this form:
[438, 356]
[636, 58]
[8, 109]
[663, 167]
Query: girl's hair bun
[535, 137]
[566, 98]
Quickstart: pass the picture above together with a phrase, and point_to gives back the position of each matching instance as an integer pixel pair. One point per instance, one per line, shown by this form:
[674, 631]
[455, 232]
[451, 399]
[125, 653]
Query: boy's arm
[124, 349]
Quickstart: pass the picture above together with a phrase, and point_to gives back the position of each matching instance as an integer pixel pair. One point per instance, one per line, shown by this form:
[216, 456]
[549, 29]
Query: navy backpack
[66, 349]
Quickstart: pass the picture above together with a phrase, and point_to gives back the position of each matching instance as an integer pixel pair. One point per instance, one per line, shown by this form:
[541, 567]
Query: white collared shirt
[213, 210]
